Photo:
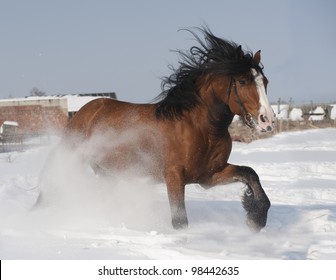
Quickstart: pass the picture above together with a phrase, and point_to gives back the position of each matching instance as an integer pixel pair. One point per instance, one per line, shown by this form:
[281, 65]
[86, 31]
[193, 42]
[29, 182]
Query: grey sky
[72, 46]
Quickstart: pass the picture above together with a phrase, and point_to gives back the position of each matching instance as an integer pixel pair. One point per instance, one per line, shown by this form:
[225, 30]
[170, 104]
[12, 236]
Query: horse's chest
[207, 160]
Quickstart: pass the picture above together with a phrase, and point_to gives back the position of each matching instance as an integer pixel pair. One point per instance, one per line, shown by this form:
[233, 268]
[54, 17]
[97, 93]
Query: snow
[75, 102]
[333, 112]
[296, 114]
[12, 123]
[281, 111]
[83, 216]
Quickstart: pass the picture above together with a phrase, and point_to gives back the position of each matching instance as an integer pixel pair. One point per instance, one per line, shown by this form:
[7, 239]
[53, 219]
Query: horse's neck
[212, 115]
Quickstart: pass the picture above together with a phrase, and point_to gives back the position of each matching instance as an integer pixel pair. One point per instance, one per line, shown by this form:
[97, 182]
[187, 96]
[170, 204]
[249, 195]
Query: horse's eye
[242, 82]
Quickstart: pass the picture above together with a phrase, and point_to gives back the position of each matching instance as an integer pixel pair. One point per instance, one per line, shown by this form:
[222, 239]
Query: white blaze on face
[266, 115]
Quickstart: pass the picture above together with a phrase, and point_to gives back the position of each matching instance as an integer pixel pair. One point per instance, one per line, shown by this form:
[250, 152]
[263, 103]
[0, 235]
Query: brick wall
[34, 119]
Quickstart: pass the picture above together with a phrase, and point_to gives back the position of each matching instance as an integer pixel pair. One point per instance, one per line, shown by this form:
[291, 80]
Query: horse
[182, 136]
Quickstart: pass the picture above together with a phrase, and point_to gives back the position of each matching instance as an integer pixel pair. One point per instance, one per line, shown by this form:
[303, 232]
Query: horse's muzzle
[266, 120]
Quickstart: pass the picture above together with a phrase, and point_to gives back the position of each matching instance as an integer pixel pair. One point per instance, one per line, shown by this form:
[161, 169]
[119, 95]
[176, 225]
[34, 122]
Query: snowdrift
[82, 216]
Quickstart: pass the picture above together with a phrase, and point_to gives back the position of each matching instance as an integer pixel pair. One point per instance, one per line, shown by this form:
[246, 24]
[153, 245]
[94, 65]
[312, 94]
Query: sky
[82, 46]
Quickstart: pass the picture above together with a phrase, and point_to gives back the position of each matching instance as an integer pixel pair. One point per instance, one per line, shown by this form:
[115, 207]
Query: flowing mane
[215, 57]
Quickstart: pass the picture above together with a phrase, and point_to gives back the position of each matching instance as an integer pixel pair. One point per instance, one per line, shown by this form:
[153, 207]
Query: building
[37, 114]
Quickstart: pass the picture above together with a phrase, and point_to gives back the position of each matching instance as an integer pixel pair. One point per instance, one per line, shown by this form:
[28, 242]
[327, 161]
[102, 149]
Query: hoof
[257, 219]
[253, 226]
[179, 224]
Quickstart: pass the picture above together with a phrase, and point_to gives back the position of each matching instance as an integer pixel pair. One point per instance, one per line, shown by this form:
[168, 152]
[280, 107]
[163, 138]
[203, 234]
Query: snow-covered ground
[86, 217]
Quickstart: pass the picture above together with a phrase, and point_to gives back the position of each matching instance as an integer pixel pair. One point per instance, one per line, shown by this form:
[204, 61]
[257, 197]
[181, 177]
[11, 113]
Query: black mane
[214, 56]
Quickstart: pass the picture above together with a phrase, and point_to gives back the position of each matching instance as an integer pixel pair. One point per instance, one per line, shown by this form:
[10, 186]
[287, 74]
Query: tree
[36, 92]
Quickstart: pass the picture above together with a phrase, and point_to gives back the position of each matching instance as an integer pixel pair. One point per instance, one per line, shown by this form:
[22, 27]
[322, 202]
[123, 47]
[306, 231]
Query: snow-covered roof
[28, 98]
[319, 114]
[333, 112]
[281, 111]
[75, 102]
[296, 114]
[12, 123]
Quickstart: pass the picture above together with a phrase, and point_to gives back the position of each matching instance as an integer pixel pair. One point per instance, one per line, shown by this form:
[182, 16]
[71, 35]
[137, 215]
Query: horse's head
[247, 97]
[218, 70]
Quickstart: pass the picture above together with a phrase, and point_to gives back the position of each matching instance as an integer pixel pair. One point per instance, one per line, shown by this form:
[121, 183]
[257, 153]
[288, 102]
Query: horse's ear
[257, 57]
[240, 52]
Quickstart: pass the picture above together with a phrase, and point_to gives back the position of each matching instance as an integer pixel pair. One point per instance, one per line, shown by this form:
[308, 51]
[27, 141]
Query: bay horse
[182, 137]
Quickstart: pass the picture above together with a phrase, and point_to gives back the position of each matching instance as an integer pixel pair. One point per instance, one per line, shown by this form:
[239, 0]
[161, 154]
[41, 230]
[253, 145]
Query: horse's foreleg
[176, 195]
[255, 200]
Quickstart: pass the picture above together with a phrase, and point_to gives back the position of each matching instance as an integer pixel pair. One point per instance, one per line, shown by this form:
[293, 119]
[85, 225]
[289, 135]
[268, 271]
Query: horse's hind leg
[176, 195]
[255, 200]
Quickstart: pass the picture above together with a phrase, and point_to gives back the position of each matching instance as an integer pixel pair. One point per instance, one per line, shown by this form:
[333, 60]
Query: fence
[240, 132]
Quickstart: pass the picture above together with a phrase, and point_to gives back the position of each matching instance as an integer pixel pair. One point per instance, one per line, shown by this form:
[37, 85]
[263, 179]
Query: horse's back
[105, 113]
[82, 120]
